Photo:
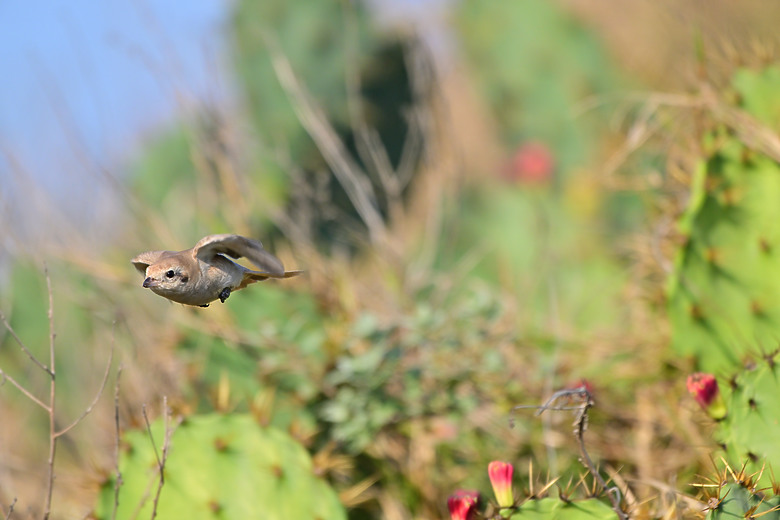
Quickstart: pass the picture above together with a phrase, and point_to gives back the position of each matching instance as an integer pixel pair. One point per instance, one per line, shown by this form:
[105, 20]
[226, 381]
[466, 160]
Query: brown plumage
[200, 275]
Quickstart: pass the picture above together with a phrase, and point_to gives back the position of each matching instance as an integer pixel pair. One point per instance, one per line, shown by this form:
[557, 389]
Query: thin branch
[420, 139]
[349, 174]
[50, 407]
[368, 142]
[5, 377]
[165, 448]
[91, 406]
[10, 510]
[580, 425]
[22, 345]
[151, 437]
[50, 315]
[547, 405]
[52, 393]
[413, 147]
[118, 482]
[353, 87]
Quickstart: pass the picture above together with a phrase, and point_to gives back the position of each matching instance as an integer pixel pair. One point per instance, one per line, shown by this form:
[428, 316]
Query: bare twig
[349, 174]
[22, 345]
[118, 481]
[419, 143]
[580, 425]
[50, 406]
[149, 431]
[52, 393]
[10, 510]
[5, 377]
[365, 149]
[368, 143]
[435, 156]
[99, 393]
[165, 447]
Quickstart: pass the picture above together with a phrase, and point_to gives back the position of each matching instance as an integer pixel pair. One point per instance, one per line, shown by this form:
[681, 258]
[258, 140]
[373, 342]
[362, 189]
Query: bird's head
[167, 277]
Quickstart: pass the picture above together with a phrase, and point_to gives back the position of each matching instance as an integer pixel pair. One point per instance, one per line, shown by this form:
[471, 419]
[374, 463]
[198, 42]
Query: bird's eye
[169, 273]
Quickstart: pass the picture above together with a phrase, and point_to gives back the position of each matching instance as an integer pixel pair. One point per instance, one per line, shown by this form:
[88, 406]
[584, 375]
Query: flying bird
[200, 275]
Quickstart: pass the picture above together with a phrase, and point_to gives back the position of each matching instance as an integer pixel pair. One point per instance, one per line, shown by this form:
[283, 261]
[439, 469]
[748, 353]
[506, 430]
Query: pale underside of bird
[200, 275]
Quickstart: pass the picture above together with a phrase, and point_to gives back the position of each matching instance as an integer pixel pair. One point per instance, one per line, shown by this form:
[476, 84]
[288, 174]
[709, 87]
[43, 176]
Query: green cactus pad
[724, 292]
[751, 428]
[219, 466]
[736, 501]
[556, 509]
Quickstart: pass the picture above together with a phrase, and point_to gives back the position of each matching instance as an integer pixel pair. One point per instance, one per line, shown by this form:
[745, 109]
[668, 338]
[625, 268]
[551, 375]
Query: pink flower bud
[500, 474]
[463, 504]
[704, 388]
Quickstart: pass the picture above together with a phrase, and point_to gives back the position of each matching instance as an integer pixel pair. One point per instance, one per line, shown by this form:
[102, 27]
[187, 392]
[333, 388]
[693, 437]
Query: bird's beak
[149, 282]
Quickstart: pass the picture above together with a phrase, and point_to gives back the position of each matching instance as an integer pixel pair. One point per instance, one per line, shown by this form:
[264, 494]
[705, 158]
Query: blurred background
[483, 195]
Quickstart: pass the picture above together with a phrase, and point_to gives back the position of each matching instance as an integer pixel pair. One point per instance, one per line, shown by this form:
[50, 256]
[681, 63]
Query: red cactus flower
[704, 388]
[500, 474]
[463, 504]
[532, 163]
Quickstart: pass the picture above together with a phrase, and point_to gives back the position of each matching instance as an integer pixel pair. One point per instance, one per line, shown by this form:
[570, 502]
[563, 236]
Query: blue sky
[84, 81]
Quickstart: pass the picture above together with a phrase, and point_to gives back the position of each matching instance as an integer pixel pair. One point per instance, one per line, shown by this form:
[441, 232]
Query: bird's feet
[224, 294]
[205, 305]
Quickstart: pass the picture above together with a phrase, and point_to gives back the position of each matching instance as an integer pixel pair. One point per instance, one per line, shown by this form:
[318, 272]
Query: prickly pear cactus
[751, 428]
[741, 500]
[556, 509]
[219, 466]
[724, 293]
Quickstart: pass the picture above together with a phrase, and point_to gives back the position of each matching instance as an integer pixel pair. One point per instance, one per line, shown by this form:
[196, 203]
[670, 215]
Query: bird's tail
[254, 276]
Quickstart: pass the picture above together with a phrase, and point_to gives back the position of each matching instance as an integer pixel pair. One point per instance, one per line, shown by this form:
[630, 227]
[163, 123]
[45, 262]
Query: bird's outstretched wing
[237, 246]
[147, 258]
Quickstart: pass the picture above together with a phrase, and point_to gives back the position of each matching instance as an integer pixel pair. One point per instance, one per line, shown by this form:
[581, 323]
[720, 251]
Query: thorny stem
[580, 425]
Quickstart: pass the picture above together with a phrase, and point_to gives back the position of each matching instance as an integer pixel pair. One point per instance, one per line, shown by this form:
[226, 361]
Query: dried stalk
[580, 425]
